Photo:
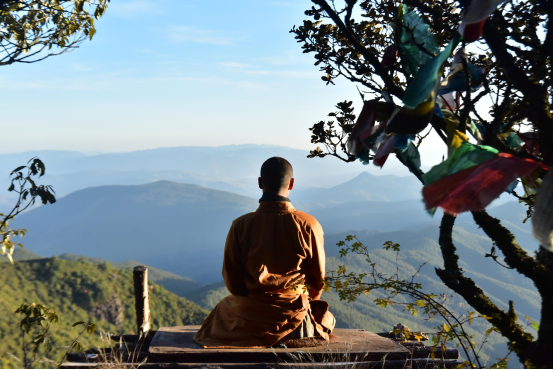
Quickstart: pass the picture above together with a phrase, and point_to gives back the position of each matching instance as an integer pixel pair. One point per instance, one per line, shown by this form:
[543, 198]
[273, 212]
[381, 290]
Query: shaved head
[276, 173]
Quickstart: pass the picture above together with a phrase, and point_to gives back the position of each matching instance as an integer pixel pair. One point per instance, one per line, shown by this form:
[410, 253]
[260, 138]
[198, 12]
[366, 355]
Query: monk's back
[276, 246]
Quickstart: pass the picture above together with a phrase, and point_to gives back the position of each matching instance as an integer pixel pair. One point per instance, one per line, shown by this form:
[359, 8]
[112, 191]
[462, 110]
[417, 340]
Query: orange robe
[265, 253]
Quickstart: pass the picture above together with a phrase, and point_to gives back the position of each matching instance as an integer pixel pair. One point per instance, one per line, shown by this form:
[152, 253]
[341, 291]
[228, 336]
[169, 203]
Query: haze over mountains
[231, 168]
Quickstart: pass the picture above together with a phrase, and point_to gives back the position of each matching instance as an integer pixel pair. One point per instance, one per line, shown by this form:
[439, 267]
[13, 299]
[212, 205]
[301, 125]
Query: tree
[33, 30]
[23, 182]
[499, 92]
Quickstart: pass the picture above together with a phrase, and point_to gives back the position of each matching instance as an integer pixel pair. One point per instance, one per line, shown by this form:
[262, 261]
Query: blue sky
[175, 73]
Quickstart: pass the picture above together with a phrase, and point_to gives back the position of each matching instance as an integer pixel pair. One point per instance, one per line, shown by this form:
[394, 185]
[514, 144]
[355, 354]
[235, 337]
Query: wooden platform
[174, 348]
[176, 345]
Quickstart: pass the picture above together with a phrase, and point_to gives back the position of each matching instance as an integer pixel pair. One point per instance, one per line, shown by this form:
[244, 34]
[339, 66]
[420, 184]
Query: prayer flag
[412, 121]
[514, 142]
[402, 141]
[416, 36]
[386, 148]
[542, 217]
[455, 137]
[389, 57]
[450, 101]
[364, 124]
[474, 188]
[426, 80]
[411, 159]
[456, 80]
[466, 156]
[475, 16]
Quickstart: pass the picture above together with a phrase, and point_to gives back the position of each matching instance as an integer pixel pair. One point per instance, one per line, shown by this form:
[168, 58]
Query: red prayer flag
[383, 152]
[474, 188]
[472, 32]
[364, 124]
[389, 57]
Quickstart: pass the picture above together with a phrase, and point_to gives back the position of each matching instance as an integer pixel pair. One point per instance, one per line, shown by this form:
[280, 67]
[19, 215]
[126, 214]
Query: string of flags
[473, 175]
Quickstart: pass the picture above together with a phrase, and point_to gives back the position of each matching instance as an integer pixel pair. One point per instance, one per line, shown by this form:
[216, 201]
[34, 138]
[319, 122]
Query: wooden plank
[395, 364]
[176, 344]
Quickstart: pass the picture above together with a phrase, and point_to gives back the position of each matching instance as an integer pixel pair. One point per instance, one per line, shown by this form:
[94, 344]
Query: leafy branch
[350, 286]
[33, 30]
[23, 183]
[40, 317]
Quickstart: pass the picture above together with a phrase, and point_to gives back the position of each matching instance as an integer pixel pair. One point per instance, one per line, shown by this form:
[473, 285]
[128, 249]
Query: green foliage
[39, 317]
[179, 285]
[350, 285]
[27, 191]
[332, 137]
[30, 29]
[78, 291]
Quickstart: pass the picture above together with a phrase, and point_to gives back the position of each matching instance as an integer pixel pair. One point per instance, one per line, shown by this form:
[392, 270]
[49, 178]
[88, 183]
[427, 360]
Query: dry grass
[346, 359]
[116, 355]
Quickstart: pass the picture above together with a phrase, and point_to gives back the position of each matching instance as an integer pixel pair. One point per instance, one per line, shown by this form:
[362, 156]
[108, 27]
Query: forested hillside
[80, 291]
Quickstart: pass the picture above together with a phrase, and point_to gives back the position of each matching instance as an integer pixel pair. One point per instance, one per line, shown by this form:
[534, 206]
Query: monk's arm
[317, 268]
[233, 271]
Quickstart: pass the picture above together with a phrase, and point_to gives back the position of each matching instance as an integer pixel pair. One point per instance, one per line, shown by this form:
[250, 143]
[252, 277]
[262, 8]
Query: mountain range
[182, 228]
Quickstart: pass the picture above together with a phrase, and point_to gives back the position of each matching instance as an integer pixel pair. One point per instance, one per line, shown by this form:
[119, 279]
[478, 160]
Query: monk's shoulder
[243, 220]
[307, 220]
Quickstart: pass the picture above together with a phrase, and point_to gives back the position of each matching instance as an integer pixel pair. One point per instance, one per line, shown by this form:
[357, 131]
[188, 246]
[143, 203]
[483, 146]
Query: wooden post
[142, 303]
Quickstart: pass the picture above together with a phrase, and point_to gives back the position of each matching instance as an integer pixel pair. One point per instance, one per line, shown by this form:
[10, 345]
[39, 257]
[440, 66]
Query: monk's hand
[296, 280]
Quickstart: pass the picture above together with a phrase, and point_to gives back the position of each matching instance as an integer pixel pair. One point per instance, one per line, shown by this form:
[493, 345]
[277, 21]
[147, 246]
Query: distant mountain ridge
[364, 187]
[230, 168]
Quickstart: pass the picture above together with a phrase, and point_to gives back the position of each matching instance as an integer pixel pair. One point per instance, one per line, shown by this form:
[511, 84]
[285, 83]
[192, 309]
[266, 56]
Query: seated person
[273, 265]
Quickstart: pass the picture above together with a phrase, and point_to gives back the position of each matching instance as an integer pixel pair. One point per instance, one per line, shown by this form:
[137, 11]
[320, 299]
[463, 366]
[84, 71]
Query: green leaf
[77, 323]
[91, 328]
[17, 169]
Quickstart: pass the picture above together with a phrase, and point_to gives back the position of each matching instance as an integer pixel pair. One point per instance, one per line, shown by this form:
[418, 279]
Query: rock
[110, 311]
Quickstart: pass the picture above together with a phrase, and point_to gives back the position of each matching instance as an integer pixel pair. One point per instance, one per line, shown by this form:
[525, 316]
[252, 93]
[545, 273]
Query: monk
[273, 265]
